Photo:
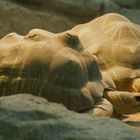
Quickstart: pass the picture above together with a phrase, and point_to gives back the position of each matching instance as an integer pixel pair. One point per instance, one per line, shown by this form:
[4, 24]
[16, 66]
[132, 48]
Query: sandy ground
[133, 120]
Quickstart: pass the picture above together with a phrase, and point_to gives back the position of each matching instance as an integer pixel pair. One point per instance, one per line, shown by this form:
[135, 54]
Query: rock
[79, 8]
[28, 117]
[95, 7]
[128, 3]
[59, 15]
[33, 17]
[133, 14]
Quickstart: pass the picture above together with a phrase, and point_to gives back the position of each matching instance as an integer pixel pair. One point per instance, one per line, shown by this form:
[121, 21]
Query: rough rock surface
[33, 118]
[58, 15]
[21, 19]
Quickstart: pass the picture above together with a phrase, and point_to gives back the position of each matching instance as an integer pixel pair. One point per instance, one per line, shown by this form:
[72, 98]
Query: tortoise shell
[115, 41]
[54, 66]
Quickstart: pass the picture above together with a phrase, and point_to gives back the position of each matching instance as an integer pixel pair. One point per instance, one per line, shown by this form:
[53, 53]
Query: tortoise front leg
[102, 108]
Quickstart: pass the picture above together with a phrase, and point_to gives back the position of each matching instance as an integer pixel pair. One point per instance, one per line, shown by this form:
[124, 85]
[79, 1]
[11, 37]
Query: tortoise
[115, 40]
[57, 67]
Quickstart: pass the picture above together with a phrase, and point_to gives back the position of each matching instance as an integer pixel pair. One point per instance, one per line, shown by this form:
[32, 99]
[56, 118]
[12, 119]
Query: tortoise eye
[137, 98]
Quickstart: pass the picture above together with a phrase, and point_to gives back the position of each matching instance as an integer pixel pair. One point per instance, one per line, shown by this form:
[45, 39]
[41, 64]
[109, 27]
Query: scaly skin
[124, 102]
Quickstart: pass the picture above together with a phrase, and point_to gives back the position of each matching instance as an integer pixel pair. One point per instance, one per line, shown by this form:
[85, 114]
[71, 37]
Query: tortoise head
[124, 102]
